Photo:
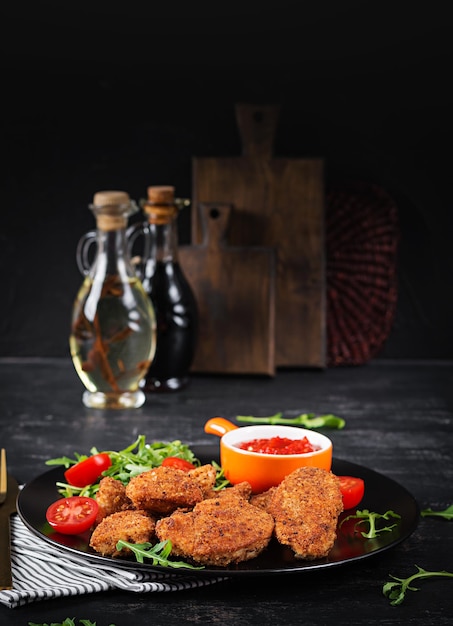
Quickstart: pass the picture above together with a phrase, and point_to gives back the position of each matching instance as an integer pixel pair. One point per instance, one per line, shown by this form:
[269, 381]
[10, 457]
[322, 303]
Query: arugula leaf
[221, 480]
[67, 622]
[368, 517]
[445, 513]
[307, 420]
[65, 461]
[396, 591]
[158, 553]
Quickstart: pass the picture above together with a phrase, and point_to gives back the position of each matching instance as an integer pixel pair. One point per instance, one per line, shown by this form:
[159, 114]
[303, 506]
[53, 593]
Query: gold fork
[8, 494]
[3, 478]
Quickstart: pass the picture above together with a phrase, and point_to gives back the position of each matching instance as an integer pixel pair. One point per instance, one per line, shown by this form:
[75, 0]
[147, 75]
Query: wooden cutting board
[279, 203]
[235, 292]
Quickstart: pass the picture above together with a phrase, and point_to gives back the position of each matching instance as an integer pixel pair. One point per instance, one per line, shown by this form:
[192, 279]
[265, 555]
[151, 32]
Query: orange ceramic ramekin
[261, 470]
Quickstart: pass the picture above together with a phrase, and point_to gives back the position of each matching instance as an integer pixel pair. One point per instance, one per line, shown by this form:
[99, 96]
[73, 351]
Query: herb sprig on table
[67, 622]
[396, 589]
[307, 420]
[445, 513]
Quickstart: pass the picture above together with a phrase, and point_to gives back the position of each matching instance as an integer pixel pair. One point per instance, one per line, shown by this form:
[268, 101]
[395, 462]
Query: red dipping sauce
[279, 445]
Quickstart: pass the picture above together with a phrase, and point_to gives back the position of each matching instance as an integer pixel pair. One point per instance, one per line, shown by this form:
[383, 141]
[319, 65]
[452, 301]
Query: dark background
[99, 96]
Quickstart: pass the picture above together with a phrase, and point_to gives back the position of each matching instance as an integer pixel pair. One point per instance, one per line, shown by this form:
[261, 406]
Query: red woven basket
[361, 247]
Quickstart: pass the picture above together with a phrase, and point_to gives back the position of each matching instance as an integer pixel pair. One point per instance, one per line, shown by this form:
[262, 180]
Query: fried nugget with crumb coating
[241, 490]
[162, 490]
[111, 498]
[306, 506]
[205, 476]
[131, 526]
[262, 500]
[218, 531]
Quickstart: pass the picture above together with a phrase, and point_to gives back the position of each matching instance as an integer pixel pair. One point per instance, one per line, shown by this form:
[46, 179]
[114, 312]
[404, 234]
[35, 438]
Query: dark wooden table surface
[398, 423]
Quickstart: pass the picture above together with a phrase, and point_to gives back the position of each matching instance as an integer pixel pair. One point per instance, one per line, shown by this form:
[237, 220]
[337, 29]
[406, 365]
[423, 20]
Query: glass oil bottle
[113, 331]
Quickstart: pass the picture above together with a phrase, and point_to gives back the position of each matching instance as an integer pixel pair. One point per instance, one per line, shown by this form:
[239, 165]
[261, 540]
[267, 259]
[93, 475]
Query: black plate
[381, 494]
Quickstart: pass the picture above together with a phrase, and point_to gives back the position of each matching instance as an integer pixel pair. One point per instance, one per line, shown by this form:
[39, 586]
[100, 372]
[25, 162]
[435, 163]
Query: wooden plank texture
[235, 291]
[278, 203]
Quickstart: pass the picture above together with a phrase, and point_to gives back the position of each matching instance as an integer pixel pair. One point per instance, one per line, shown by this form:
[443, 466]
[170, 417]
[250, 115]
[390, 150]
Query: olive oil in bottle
[113, 331]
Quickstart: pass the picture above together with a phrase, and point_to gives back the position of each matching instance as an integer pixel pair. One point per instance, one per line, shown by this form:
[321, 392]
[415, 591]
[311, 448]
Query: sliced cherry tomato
[175, 461]
[88, 471]
[352, 490]
[72, 516]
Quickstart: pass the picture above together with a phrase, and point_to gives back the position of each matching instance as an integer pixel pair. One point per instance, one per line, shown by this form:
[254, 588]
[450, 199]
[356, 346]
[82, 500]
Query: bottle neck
[112, 256]
[163, 242]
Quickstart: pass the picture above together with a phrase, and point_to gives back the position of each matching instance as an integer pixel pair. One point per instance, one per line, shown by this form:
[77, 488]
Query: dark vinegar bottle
[171, 295]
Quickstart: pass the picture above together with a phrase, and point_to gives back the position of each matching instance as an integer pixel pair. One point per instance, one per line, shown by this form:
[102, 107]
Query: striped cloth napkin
[42, 571]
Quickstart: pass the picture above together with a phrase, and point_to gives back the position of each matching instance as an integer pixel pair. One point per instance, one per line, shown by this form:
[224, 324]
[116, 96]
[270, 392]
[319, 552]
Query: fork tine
[3, 476]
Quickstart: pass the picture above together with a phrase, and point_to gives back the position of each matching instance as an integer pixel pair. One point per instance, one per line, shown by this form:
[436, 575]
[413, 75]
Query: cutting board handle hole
[214, 213]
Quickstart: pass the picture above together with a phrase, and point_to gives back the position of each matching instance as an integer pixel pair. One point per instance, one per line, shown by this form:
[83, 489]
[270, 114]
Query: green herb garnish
[396, 591]
[368, 517]
[445, 513]
[307, 420]
[68, 622]
[158, 553]
[221, 481]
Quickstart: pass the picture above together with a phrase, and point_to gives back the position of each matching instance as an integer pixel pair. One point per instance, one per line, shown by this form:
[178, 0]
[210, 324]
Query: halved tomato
[352, 490]
[175, 461]
[88, 471]
[72, 516]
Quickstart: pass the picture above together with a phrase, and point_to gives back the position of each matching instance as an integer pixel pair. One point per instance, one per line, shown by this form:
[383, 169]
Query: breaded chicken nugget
[306, 506]
[262, 500]
[162, 490]
[131, 526]
[218, 531]
[241, 490]
[111, 498]
[205, 477]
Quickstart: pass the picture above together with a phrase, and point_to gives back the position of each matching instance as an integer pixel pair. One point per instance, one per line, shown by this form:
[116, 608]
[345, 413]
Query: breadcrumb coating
[205, 477]
[218, 531]
[262, 500]
[305, 507]
[111, 498]
[162, 490]
[131, 526]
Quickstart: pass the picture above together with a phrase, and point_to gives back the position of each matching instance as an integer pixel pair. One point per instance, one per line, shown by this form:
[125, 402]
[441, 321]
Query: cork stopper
[112, 208]
[160, 206]
[111, 198]
[164, 194]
